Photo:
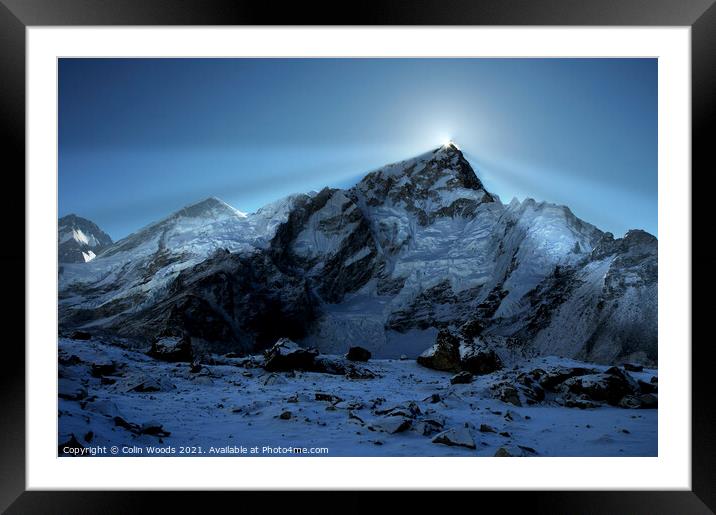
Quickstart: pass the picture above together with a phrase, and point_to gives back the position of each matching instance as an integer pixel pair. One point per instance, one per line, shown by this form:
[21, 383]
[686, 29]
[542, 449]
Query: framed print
[306, 252]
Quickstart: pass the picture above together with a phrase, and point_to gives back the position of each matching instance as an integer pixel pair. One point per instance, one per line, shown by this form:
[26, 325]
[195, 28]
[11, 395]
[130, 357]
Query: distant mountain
[414, 247]
[80, 240]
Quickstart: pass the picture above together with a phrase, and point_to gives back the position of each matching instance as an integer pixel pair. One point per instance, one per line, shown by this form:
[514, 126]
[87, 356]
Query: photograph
[357, 257]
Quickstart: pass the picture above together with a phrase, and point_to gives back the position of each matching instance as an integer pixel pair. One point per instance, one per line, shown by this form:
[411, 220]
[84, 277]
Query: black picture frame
[17, 15]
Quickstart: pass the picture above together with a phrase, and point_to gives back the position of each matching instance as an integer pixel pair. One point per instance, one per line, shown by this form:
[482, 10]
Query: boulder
[320, 396]
[359, 373]
[610, 386]
[103, 407]
[580, 401]
[393, 424]
[103, 369]
[444, 355]
[507, 393]
[645, 387]
[153, 428]
[461, 378]
[478, 359]
[556, 376]
[530, 387]
[358, 354]
[503, 453]
[409, 409]
[649, 401]
[146, 384]
[81, 335]
[172, 349]
[428, 426]
[286, 355]
[333, 366]
[515, 451]
[643, 401]
[285, 415]
[457, 436]
[273, 379]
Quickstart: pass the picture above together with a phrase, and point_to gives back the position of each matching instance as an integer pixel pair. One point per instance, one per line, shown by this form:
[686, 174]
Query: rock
[461, 378]
[630, 402]
[531, 388]
[172, 349]
[633, 368]
[457, 436]
[286, 415]
[409, 409]
[610, 386]
[129, 426]
[478, 359]
[394, 424]
[648, 401]
[273, 379]
[444, 355]
[195, 367]
[153, 428]
[320, 396]
[81, 335]
[552, 379]
[428, 426]
[89, 435]
[434, 398]
[333, 366]
[143, 384]
[515, 451]
[103, 369]
[353, 416]
[103, 407]
[358, 354]
[286, 355]
[645, 387]
[64, 359]
[403, 357]
[527, 449]
[485, 428]
[507, 393]
[70, 390]
[359, 373]
[580, 401]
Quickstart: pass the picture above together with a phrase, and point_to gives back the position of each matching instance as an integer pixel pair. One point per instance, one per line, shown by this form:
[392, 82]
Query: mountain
[414, 247]
[79, 240]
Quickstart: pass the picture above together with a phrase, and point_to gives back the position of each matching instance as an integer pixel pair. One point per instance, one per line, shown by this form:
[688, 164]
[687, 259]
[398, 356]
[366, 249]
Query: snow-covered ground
[231, 405]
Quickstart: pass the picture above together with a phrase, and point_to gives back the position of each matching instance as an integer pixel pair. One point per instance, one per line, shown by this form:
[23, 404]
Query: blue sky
[140, 138]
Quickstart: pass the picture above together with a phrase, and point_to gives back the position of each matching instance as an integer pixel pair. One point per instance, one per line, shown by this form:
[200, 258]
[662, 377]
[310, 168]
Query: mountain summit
[79, 240]
[413, 248]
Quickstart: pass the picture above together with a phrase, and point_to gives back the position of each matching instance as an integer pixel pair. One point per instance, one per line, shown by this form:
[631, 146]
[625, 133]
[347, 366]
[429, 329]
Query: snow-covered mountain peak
[211, 207]
[435, 184]
[79, 239]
